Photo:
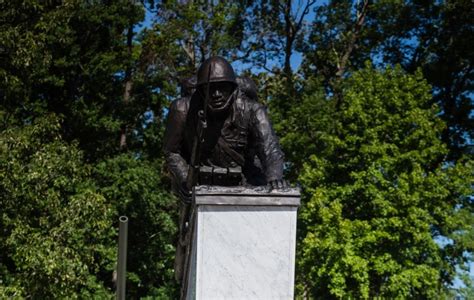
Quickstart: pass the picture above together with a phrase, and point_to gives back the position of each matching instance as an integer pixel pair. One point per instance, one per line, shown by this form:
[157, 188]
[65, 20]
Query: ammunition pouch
[220, 176]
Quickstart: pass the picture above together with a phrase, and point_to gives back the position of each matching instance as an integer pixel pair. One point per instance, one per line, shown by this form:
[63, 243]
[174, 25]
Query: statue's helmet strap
[221, 71]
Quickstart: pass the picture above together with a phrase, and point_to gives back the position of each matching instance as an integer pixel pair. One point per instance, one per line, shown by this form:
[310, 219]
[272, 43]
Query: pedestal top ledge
[245, 195]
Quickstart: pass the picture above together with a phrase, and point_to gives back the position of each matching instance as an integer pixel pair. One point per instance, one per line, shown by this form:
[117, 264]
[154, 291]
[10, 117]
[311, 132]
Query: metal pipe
[122, 257]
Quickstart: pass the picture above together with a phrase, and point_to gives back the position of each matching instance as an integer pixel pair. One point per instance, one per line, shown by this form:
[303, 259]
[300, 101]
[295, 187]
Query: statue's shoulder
[248, 110]
[180, 104]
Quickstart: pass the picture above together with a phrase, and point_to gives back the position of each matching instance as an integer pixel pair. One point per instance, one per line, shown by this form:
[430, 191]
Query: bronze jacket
[246, 129]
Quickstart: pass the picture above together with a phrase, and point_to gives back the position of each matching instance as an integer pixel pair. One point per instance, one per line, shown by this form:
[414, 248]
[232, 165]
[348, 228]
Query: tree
[337, 42]
[134, 187]
[56, 237]
[377, 194]
[74, 59]
[67, 58]
[430, 35]
[200, 30]
[449, 68]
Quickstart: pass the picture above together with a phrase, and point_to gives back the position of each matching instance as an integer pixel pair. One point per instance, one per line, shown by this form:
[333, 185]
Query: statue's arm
[172, 142]
[268, 148]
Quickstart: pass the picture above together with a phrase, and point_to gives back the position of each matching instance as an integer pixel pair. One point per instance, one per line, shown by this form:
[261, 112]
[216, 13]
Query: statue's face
[219, 95]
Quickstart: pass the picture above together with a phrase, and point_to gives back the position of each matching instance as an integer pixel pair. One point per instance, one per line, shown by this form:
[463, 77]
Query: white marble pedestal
[243, 244]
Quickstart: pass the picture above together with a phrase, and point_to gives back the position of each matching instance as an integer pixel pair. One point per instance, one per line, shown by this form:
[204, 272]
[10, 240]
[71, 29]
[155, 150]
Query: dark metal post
[122, 257]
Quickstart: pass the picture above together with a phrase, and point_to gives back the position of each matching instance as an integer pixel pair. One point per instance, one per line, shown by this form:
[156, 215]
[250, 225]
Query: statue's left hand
[184, 194]
[278, 185]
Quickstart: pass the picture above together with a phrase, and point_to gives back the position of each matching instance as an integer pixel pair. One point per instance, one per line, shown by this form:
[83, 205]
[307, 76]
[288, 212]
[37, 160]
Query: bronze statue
[219, 135]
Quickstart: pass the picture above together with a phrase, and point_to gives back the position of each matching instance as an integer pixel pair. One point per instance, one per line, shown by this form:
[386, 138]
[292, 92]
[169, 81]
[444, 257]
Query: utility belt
[220, 176]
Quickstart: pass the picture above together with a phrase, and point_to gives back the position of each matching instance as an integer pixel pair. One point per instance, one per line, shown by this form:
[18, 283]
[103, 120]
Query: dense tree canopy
[376, 123]
[378, 195]
[57, 234]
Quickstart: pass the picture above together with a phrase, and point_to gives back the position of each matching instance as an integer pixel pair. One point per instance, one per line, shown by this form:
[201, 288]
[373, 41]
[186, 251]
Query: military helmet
[221, 71]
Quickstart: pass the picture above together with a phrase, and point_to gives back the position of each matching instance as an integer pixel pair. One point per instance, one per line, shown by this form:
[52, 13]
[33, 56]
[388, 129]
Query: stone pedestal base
[243, 244]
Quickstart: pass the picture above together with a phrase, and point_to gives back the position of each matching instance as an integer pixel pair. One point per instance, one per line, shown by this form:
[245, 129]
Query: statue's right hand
[278, 185]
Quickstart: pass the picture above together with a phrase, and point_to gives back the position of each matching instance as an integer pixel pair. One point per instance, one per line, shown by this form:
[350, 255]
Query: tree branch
[355, 35]
[305, 12]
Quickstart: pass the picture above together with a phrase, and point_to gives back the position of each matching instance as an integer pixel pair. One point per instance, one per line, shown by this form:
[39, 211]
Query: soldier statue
[219, 135]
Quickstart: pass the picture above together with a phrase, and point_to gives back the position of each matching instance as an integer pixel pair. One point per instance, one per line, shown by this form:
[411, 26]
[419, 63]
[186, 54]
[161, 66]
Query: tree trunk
[344, 60]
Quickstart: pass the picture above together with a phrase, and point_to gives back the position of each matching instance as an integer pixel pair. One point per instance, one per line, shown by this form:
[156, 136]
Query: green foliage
[431, 35]
[56, 229]
[70, 58]
[301, 123]
[377, 193]
[66, 57]
[135, 188]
